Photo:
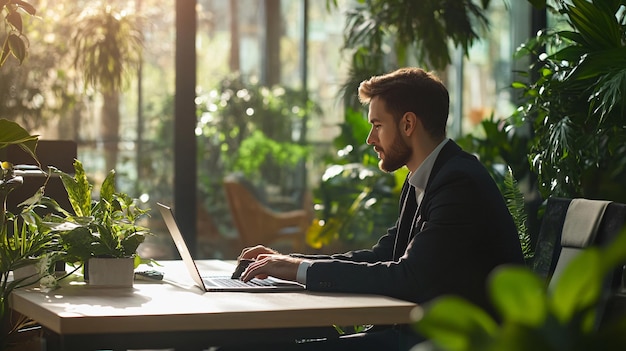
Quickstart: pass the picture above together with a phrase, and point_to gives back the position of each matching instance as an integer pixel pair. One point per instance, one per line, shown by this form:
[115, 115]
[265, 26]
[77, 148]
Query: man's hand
[275, 265]
[252, 253]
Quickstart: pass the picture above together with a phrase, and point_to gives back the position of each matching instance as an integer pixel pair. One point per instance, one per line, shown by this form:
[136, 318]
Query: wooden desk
[176, 314]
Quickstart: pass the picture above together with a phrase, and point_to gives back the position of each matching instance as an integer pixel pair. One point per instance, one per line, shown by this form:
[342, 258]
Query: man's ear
[409, 123]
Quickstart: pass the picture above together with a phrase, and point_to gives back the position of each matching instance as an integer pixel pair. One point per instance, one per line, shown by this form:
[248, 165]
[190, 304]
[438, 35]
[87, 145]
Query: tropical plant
[106, 227]
[575, 101]
[382, 35]
[563, 318]
[108, 48]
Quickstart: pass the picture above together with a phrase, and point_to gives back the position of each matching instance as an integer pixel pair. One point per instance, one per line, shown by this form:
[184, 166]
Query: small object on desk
[148, 275]
[241, 267]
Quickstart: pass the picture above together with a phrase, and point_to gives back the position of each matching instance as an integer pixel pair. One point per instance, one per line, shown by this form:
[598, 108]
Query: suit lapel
[449, 151]
[407, 213]
[410, 221]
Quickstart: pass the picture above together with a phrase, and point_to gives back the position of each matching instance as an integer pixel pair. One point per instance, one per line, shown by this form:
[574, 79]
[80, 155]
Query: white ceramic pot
[29, 272]
[111, 272]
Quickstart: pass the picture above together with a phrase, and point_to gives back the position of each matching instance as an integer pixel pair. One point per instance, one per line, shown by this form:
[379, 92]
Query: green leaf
[78, 244]
[132, 242]
[570, 54]
[471, 328]
[17, 47]
[519, 85]
[579, 287]
[14, 19]
[108, 187]
[599, 28]
[30, 9]
[4, 53]
[78, 189]
[12, 133]
[519, 295]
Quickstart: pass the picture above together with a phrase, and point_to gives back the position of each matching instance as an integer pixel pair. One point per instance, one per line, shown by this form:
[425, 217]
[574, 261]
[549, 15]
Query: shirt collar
[419, 178]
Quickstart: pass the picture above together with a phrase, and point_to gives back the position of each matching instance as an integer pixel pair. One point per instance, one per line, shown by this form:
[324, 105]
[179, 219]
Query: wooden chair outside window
[258, 224]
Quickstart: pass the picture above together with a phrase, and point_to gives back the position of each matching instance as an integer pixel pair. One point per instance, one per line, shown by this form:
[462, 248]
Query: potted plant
[22, 236]
[23, 245]
[103, 234]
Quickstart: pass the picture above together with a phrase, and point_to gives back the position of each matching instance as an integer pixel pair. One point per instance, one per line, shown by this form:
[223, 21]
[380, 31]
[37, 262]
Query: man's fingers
[254, 251]
[279, 266]
[255, 269]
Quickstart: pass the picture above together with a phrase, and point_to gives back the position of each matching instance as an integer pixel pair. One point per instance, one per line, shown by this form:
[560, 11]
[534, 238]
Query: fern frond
[515, 203]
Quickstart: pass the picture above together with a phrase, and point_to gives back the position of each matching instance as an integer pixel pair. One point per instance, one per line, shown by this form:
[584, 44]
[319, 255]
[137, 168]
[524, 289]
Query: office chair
[568, 227]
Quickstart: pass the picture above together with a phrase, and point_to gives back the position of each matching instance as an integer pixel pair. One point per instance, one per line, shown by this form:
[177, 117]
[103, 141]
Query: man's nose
[370, 138]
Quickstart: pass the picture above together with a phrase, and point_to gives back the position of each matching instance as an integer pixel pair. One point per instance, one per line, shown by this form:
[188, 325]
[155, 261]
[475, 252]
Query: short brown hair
[411, 90]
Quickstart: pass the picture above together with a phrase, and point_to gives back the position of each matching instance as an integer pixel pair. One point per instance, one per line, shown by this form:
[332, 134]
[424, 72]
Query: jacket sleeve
[382, 251]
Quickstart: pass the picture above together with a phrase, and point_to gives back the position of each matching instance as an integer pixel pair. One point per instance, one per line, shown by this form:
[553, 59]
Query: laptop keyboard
[235, 283]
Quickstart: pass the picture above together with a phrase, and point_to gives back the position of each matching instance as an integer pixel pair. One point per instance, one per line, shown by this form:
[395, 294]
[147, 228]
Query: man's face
[384, 135]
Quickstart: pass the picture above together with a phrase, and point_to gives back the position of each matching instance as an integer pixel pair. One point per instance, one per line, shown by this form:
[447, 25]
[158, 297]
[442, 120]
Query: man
[453, 227]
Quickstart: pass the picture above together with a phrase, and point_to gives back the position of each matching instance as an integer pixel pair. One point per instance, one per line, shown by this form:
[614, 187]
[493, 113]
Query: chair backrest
[259, 224]
[548, 245]
[568, 227]
[58, 153]
[244, 207]
[580, 231]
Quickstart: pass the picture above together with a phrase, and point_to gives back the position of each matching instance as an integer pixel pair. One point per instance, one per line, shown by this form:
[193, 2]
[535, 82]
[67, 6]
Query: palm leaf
[599, 28]
[611, 88]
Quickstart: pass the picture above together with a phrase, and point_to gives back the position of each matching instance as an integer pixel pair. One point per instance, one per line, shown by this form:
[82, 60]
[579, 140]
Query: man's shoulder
[461, 161]
[452, 151]
[461, 167]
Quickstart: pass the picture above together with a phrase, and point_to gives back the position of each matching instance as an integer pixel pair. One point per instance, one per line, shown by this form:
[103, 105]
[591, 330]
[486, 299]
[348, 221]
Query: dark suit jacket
[464, 231]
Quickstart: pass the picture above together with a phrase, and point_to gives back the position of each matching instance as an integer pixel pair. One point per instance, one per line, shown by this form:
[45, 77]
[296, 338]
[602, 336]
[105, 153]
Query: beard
[397, 156]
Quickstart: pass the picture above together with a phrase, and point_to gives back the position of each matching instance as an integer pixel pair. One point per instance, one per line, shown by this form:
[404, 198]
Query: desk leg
[51, 340]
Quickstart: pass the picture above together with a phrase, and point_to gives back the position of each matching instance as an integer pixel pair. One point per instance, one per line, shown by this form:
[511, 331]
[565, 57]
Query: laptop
[219, 283]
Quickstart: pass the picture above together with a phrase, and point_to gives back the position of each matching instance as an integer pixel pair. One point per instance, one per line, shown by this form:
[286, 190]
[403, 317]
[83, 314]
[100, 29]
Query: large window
[242, 48]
